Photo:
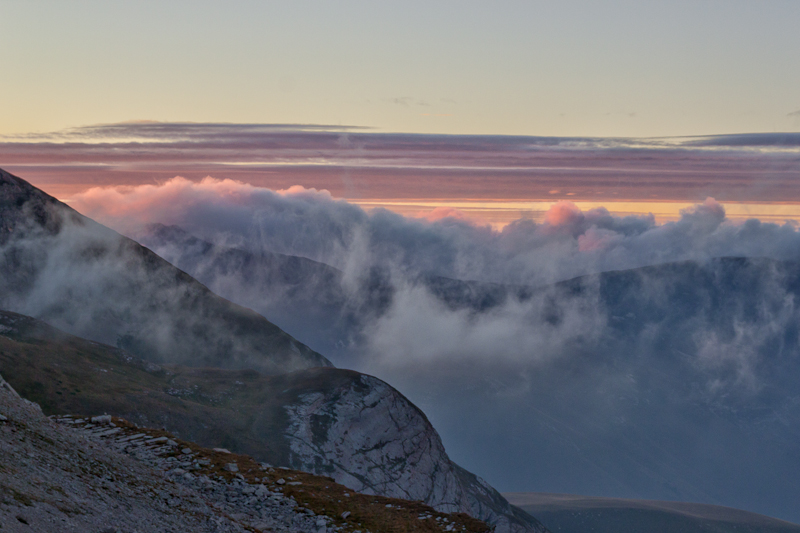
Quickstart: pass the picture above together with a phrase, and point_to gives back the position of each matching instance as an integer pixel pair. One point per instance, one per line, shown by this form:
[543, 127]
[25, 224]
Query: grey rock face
[367, 436]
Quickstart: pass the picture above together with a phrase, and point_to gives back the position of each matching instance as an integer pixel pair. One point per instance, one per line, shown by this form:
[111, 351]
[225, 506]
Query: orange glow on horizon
[500, 213]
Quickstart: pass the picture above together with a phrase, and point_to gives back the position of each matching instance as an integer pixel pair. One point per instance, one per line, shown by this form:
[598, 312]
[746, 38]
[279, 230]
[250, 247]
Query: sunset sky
[521, 104]
[403, 186]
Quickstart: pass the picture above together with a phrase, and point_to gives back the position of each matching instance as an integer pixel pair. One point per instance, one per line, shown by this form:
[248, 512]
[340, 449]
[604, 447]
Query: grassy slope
[237, 409]
[582, 514]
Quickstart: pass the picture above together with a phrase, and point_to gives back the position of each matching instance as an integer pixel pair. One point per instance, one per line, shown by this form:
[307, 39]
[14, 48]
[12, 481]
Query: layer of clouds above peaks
[312, 224]
[561, 390]
[384, 251]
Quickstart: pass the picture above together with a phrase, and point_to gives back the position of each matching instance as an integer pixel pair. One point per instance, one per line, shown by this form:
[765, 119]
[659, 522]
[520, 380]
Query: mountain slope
[55, 480]
[106, 474]
[301, 295]
[312, 299]
[339, 423]
[64, 268]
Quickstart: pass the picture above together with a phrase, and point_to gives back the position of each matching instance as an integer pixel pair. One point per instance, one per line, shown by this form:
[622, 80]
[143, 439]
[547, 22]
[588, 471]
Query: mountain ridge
[87, 279]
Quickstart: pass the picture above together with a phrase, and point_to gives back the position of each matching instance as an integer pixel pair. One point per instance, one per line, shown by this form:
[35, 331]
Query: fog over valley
[590, 353]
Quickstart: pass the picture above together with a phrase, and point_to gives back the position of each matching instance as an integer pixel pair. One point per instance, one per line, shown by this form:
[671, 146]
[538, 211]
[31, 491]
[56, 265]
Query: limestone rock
[369, 437]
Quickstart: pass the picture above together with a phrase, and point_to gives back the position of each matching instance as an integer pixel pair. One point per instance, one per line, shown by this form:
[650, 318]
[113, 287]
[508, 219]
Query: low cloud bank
[312, 224]
[686, 364]
[394, 304]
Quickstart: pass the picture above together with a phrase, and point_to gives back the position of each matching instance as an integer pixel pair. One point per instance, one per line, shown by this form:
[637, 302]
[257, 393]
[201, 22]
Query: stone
[231, 467]
[370, 438]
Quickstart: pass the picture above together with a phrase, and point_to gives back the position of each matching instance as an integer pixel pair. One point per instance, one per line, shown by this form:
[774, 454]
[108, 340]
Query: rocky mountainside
[66, 269]
[54, 480]
[352, 427]
[108, 475]
[323, 438]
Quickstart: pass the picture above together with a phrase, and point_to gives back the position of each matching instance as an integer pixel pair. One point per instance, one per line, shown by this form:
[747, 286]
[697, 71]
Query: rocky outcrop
[367, 436]
[84, 278]
[53, 480]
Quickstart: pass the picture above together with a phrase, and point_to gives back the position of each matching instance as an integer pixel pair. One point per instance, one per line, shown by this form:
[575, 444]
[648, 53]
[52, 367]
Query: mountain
[584, 514]
[106, 474]
[669, 382]
[86, 279]
[338, 423]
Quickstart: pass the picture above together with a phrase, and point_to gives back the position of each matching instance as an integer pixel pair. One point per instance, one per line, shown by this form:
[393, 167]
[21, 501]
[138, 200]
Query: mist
[92, 282]
[648, 376]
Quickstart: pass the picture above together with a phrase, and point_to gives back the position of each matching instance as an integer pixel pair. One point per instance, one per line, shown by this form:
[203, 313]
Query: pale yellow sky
[573, 68]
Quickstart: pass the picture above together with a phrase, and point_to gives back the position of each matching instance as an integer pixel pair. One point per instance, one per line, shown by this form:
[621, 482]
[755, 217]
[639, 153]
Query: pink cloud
[127, 207]
[709, 207]
[563, 213]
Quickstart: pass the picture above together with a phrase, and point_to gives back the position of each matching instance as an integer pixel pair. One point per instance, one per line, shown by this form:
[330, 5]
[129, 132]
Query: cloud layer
[645, 383]
[312, 224]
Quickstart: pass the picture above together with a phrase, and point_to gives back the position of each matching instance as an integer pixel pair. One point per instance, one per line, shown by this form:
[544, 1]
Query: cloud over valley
[536, 349]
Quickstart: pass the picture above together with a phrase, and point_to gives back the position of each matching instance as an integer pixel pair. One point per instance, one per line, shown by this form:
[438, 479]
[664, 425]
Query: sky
[491, 112]
[574, 68]
[523, 142]
[485, 179]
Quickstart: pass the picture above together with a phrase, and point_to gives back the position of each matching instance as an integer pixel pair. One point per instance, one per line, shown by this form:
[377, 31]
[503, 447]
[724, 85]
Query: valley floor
[567, 513]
